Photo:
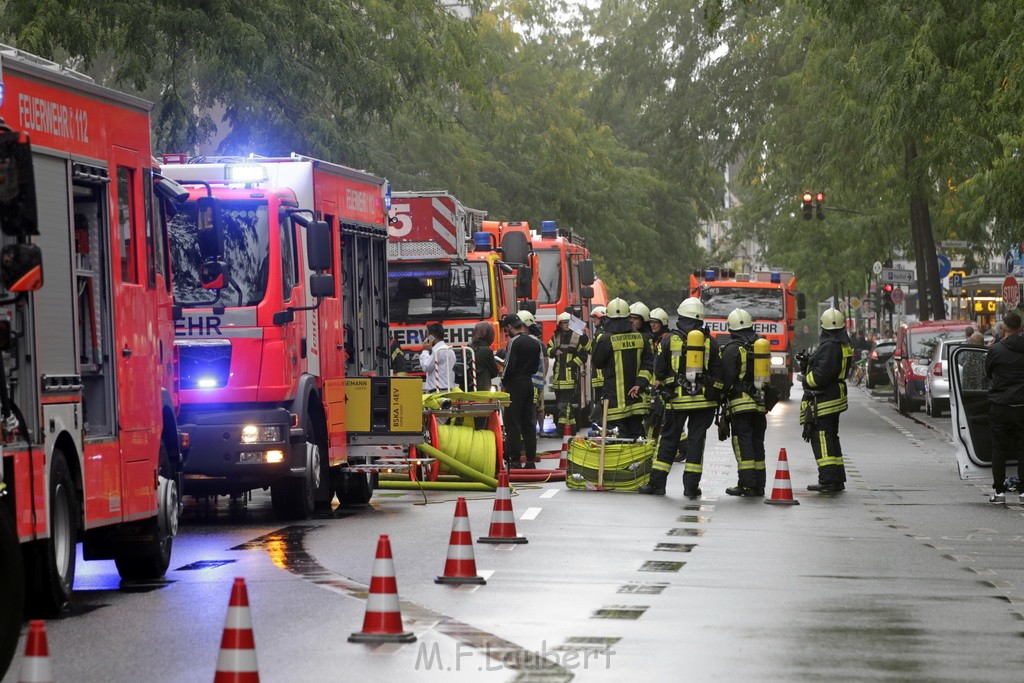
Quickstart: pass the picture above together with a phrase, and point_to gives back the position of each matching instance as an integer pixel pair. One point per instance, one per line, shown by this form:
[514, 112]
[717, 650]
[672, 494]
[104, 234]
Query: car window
[923, 344]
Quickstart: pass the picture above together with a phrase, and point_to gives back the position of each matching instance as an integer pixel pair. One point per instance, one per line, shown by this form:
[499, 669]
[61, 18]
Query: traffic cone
[236, 662]
[461, 565]
[782, 491]
[383, 621]
[35, 668]
[503, 524]
[563, 460]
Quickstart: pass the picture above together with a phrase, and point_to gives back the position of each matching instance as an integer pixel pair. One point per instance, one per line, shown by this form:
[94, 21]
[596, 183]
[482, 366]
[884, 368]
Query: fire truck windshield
[246, 251]
[760, 303]
[549, 279]
[427, 292]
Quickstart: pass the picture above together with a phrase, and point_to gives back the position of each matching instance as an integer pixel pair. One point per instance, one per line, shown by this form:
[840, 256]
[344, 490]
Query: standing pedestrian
[438, 361]
[524, 353]
[824, 386]
[1004, 365]
[691, 405]
[483, 356]
[745, 406]
[623, 354]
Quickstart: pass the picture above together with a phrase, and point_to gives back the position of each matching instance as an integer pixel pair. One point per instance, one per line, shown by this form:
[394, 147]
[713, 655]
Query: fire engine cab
[280, 277]
[90, 448]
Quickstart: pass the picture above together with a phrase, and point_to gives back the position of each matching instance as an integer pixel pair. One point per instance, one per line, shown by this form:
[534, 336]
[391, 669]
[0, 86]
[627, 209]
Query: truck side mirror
[22, 267]
[210, 236]
[801, 306]
[321, 285]
[213, 274]
[586, 292]
[318, 246]
[18, 216]
[515, 248]
[524, 282]
[587, 276]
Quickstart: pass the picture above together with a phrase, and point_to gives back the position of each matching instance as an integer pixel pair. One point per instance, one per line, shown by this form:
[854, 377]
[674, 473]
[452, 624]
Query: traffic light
[808, 207]
[887, 303]
[820, 198]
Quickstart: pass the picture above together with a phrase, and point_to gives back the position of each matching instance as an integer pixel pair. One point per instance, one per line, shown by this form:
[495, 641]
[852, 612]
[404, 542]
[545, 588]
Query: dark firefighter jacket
[826, 373]
[575, 348]
[624, 357]
[670, 368]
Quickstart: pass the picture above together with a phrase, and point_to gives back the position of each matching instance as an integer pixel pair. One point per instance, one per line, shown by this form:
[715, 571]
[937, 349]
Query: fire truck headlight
[778, 361]
[275, 456]
[261, 433]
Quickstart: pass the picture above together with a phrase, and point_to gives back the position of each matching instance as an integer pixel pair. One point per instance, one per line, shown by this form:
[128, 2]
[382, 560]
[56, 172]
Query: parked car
[915, 345]
[877, 360]
[936, 383]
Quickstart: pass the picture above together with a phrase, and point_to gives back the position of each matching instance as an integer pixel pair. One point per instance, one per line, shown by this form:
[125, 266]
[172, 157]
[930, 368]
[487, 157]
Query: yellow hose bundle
[474, 448]
[627, 466]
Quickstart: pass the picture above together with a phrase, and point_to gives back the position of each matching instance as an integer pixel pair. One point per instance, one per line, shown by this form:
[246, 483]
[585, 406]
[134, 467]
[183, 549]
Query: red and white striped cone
[503, 523]
[236, 662]
[461, 564]
[563, 460]
[35, 667]
[782, 491]
[383, 621]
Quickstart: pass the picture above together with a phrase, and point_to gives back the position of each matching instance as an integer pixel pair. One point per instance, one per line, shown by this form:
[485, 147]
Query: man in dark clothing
[524, 353]
[624, 356]
[691, 405]
[1004, 365]
[399, 363]
[745, 407]
[824, 385]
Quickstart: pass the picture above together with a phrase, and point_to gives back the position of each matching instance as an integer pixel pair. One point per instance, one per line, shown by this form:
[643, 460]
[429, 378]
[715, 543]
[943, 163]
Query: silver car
[936, 381]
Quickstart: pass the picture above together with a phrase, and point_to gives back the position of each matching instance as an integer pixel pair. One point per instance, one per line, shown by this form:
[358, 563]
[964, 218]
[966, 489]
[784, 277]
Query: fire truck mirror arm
[320, 285]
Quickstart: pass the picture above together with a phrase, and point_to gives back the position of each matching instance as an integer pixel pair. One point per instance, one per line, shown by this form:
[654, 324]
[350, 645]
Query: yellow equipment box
[384, 405]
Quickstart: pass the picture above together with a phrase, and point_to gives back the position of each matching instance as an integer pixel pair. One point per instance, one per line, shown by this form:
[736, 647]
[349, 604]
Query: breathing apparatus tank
[694, 356]
[762, 364]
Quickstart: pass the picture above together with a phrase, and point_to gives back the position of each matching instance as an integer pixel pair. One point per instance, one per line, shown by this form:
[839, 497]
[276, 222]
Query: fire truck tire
[295, 497]
[150, 558]
[12, 578]
[50, 562]
[355, 488]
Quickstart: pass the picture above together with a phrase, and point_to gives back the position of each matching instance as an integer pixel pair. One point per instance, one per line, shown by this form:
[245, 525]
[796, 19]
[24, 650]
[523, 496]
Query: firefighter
[399, 363]
[625, 358]
[640, 316]
[598, 316]
[659, 328]
[744, 407]
[688, 366]
[824, 383]
[569, 350]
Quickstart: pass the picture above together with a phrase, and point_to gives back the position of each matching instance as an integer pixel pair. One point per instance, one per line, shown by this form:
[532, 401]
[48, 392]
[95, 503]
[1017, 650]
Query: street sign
[1010, 261]
[877, 268]
[897, 275]
[854, 303]
[1011, 292]
[956, 281]
[954, 244]
[897, 295]
[944, 265]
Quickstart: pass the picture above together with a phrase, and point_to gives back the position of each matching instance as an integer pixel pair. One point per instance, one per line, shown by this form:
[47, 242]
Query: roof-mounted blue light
[482, 241]
[776, 278]
[387, 197]
[709, 275]
[548, 229]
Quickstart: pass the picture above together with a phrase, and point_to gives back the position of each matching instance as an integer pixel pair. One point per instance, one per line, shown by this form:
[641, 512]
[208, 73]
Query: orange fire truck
[771, 299]
[434, 275]
[90, 444]
[564, 278]
[280, 273]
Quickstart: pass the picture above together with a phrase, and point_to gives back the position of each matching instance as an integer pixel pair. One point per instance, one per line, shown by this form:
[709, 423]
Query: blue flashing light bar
[387, 196]
[441, 272]
[206, 383]
[482, 241]
[245, 173]
[709, 275]
[776, 278]
[548, 229]
[1, 93]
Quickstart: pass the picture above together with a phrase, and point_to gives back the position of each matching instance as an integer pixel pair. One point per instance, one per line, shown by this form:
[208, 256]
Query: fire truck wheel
[354, 488]
[295, 497]
[316, 445]
[50, 566]
[12, 578]
[151, 556]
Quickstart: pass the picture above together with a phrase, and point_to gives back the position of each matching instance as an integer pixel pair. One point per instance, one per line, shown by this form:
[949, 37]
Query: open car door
[968, 408]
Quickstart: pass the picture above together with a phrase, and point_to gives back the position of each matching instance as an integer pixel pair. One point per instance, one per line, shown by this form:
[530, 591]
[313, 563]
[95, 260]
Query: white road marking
[550, 493]
[531, 513]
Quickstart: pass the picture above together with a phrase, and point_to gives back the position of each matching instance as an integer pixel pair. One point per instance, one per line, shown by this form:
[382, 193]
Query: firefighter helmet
[526, 317]
[598, 312]
[660, 315]
[740, 320]
[691, 308]
[832, 320]
[617, 308]
[640, 310]
[564, 317]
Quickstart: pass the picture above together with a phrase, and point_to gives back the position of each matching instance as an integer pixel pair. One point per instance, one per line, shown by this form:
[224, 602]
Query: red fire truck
[565, 275]
[280, 272]
[434, 275]
[90, 444]
[771, 299]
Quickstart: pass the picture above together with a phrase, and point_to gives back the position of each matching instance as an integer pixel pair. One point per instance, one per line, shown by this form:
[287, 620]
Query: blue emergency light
[1, 93]
[776, 278]
[709, 275]
[548, 229]
[482, 241]
[387, 196]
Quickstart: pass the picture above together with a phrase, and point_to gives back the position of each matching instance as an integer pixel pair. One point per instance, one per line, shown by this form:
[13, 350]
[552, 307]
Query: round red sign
[1011, 292]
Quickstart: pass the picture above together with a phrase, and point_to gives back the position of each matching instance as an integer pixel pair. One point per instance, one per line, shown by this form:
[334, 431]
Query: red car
[914, 347]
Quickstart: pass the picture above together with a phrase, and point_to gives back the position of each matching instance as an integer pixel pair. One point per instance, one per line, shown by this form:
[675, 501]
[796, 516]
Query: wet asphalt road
[908, 575]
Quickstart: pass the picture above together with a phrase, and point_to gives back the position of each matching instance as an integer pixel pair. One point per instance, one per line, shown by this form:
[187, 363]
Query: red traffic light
[887, 288]
[808, 197]
[820, 197]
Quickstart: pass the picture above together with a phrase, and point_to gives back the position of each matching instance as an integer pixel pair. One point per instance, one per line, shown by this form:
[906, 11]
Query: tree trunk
[929, 289]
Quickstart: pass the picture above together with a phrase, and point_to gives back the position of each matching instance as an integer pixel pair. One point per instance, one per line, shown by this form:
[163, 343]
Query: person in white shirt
[438, 361]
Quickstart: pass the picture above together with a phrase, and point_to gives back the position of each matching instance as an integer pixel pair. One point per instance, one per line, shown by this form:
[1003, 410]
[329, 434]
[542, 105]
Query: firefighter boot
[691, 484]
[656, 485]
